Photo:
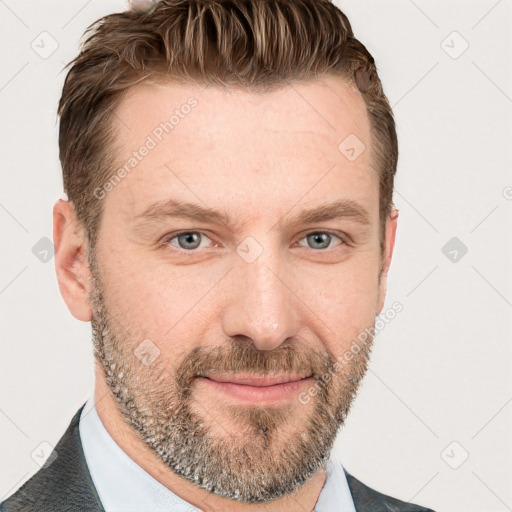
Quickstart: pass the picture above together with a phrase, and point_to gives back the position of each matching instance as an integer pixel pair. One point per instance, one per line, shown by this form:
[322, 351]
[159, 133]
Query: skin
[261, 158]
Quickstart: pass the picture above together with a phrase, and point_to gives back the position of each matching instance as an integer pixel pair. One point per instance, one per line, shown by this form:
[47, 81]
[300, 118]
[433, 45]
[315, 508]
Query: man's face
[176, 299]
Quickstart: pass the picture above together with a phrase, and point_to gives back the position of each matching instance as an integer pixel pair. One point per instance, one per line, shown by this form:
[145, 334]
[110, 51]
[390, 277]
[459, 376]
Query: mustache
[241, 356]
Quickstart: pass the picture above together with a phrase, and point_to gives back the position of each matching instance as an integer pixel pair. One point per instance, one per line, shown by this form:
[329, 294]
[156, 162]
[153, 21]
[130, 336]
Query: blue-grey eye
[320, 239]
[189, 240]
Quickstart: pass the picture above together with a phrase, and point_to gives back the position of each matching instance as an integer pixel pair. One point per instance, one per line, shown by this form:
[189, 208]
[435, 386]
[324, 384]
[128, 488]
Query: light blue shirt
[123, 486]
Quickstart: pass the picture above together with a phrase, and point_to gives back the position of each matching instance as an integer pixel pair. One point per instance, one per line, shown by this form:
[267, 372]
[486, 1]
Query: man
[228, 231]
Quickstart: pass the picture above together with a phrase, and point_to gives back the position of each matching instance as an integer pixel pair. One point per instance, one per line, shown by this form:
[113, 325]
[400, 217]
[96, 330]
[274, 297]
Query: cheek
[344, 299]
[155, 301]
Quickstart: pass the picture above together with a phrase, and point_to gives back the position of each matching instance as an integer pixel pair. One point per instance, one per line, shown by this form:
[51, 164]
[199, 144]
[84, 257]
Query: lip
[257, 380]
[257, 389]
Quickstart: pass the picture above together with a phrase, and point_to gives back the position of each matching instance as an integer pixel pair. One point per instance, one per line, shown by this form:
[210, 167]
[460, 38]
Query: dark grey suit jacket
[66, 485]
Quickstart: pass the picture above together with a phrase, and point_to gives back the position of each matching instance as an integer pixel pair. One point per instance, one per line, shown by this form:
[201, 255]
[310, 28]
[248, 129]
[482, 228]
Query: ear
[71, 264]
[389, 245]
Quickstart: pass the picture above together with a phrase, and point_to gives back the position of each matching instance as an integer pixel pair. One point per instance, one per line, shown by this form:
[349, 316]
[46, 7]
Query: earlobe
[71, 263]
[391, 226]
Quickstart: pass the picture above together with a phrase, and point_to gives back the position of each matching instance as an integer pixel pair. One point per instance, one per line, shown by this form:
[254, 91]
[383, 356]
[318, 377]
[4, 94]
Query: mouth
[256, 380]
[256, 389]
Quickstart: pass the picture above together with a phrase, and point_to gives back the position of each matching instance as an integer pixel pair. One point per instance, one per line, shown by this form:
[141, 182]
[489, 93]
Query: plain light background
[432, 422]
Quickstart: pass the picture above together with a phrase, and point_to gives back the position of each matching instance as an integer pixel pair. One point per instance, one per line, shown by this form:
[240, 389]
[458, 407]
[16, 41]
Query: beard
[248, 453]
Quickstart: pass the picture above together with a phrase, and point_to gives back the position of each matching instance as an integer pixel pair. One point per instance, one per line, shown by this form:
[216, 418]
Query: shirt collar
[123, 486]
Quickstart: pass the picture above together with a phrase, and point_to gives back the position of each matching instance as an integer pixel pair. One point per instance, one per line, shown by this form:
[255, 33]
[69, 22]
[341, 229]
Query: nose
[262, 307]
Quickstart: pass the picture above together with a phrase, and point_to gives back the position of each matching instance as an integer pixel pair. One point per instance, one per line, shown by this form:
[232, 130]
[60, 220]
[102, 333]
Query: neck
[127, 438]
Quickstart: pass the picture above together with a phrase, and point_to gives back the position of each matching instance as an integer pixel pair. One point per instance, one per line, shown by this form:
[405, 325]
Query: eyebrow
[172, 208]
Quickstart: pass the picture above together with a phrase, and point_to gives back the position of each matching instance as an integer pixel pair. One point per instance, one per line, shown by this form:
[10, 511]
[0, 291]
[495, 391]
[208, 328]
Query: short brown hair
[254, 44]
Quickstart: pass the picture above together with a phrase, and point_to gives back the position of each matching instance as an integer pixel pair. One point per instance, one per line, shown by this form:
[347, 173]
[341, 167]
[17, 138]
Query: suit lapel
[65, 485]
[368, 500]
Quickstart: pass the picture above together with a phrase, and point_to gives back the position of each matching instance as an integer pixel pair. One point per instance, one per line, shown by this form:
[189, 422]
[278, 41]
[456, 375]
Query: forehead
[217, 146]
[323, 108]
